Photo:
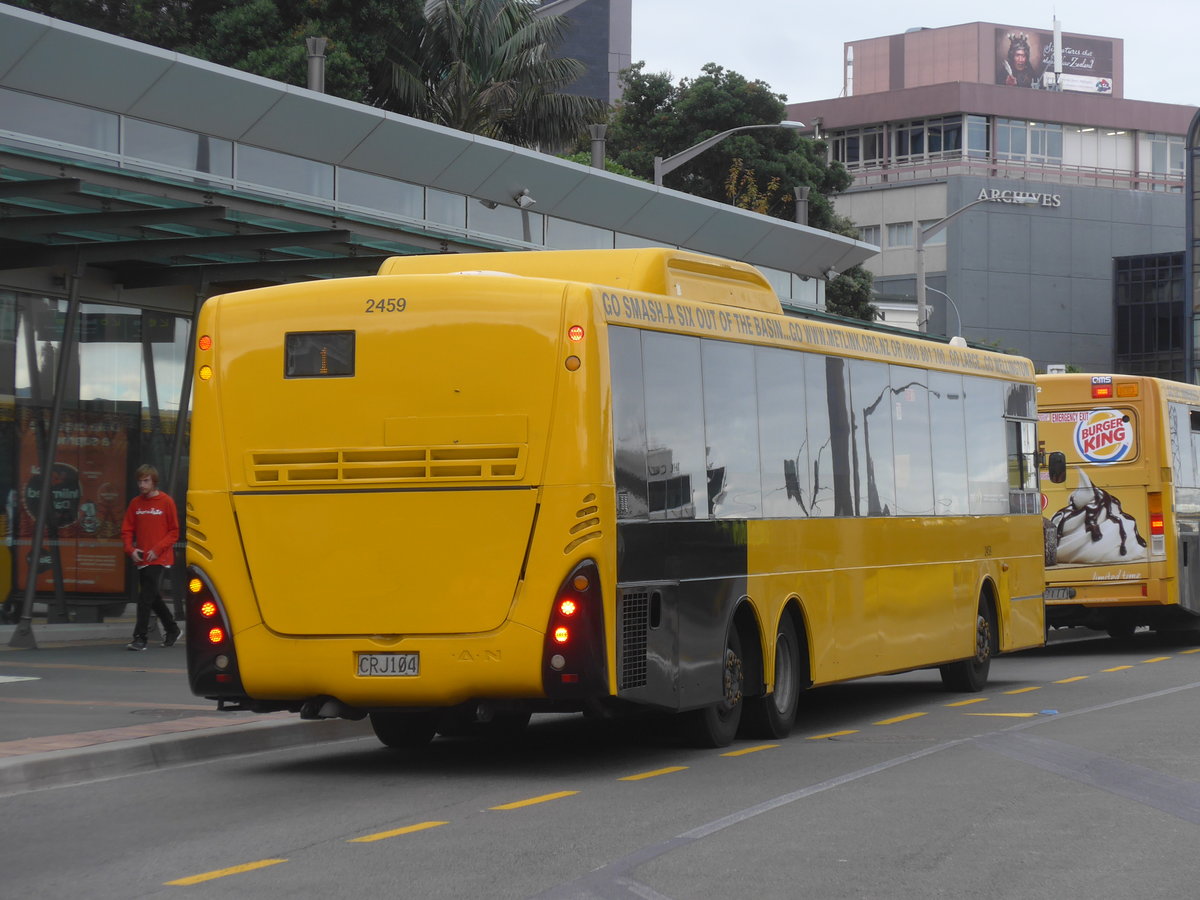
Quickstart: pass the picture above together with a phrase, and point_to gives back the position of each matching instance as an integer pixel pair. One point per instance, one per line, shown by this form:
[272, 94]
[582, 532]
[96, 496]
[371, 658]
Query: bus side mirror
[1057, 463]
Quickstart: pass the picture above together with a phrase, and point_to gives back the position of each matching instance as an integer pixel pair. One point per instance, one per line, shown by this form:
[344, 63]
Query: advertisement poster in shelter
[87, 501]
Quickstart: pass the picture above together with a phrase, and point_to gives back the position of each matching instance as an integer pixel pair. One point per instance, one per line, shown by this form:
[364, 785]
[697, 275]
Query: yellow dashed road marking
[395, 832]
[1193, 650]
[1156, 659]
[221, 873]
[1005, 715]
[653, 774]
[903, 718]
[746, 750]
[1072, 678]
[1118, 668]
[1025, 690]
[967, 702]
[832, 734]
[545, 798]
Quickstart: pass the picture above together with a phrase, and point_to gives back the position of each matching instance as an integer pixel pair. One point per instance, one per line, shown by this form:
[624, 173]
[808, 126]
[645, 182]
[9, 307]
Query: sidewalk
[81, 707]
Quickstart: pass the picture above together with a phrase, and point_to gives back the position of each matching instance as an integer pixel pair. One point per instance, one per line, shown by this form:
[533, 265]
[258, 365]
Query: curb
[57, 768]
[44, 632]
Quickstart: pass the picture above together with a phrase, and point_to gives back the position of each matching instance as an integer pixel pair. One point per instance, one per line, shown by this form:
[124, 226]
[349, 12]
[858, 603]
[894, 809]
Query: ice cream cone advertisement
[1117, 526]
[1093, 528]
[1093, 516]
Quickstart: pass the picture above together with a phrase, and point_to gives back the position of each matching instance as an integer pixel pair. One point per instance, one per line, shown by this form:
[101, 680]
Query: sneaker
[136, 644]
[172, 637]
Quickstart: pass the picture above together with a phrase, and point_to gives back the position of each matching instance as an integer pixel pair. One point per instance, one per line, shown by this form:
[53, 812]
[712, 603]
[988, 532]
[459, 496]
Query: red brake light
[205, 342]
[208, 609]
[575, 333]
[1156, 523]
[561, 635]
[216, 635]
[1102, 391]
[568, 608]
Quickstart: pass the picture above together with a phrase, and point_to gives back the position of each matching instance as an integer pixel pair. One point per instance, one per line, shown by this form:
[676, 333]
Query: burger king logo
[1104, 436]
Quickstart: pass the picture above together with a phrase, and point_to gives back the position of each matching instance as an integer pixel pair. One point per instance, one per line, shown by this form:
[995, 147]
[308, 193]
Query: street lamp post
[924, 234]
[957, 315]
[663, 166]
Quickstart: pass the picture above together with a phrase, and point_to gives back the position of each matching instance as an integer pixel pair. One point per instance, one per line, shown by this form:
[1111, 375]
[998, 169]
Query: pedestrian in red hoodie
[149, 531]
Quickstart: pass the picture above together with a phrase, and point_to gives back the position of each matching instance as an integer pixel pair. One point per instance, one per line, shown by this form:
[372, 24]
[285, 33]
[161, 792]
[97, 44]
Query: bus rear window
[313, 354]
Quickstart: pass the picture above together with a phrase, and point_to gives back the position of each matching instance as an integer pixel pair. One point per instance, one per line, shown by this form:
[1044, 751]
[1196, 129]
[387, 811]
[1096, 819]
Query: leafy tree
[849, 294]
[488, 67]
[658, 118]
[266, 37]
[584, 158]
[163, 23]
[742, 190]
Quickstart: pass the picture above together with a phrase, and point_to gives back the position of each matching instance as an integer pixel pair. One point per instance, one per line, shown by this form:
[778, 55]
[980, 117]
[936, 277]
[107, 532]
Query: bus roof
[652, 270]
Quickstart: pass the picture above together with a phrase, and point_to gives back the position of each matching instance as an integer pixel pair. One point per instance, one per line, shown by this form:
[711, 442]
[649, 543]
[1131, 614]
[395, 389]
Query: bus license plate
[389, 665]
[1059, 593]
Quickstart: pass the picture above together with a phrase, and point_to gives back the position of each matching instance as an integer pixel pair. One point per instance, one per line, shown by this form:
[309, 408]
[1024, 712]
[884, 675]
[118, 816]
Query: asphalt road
[1074, 774]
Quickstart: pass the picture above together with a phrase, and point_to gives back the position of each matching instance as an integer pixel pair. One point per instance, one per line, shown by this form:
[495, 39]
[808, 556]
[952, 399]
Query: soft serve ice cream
[1092, 528]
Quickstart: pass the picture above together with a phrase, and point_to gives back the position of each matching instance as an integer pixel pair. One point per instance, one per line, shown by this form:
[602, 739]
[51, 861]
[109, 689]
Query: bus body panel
[448, 417]
[403, 572]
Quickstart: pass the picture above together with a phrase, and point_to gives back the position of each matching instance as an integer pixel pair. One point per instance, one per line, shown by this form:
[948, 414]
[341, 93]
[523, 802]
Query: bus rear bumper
[324, 677]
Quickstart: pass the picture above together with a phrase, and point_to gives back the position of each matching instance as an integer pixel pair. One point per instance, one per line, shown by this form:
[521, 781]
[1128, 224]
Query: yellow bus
[479, 486]
[1123, 530]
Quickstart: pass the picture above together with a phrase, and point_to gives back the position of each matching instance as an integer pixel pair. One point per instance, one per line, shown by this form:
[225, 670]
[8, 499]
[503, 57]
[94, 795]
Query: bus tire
[717, 725]
[405, 730]
[772, 715]
[970, 675]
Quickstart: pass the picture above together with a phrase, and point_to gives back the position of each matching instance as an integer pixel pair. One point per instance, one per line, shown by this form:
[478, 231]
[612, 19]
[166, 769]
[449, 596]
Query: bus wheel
[970, 675]
[717, 725]
[772, 715]
[405, 730]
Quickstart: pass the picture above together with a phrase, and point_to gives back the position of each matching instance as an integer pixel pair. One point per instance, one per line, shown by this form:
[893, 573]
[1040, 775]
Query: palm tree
[489, 67]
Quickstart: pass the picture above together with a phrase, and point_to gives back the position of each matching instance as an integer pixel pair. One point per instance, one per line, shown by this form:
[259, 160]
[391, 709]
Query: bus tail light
[573, 658]
[212, 661]
[1158, 523]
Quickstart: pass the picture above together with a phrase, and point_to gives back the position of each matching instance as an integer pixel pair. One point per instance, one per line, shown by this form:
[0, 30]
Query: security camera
[524, 200]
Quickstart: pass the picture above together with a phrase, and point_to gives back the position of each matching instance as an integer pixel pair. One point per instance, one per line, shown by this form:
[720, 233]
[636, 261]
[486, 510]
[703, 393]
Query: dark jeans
[150, 600]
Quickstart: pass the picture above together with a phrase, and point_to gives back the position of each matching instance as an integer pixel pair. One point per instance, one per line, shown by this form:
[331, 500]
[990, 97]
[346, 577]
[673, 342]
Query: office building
[1065, 174]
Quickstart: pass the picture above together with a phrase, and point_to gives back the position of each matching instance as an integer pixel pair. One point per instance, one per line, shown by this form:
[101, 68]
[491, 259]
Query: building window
[1166, 159]
[1037, 141]
[177, 148]
[900, 234]
[284, 172]
[1148, 337]
[1012, 139]
[55, 120]
[936, 238]
[1046, 142]
[859, 147]
[977, 137]
[869, 234]
[940, 138]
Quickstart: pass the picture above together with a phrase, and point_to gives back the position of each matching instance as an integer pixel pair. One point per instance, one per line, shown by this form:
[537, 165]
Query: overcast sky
[796, 47]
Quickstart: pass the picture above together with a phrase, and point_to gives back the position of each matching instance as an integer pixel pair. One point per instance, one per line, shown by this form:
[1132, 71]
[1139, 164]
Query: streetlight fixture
[924, 234]
[957, 315]
[663, 166]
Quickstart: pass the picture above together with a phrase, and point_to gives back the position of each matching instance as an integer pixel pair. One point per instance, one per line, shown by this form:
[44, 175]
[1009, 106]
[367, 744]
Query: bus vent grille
[277, 468]
[634, 625]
